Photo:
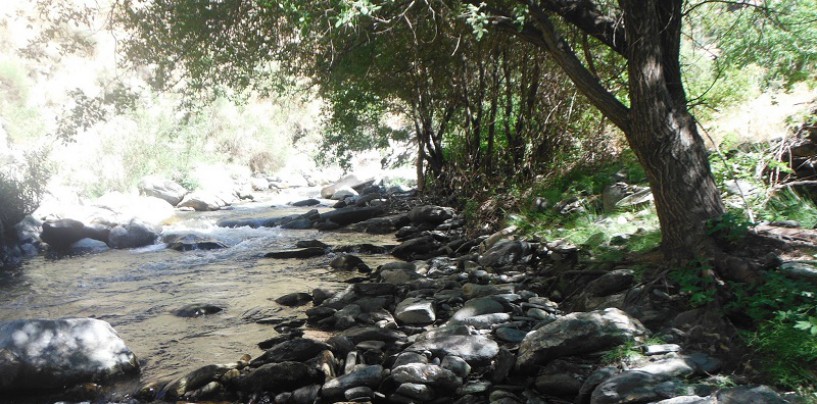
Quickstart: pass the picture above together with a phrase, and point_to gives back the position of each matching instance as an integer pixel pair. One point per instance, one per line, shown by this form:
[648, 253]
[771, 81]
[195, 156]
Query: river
[137, 290]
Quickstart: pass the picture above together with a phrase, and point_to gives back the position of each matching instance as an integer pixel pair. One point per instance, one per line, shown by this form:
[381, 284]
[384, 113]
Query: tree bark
[657, 123]
[663, 134]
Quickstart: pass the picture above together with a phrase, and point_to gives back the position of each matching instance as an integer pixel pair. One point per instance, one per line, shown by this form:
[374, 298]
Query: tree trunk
[663, 134]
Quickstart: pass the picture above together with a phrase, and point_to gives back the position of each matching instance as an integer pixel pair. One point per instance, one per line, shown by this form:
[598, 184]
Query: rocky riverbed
[441, 317]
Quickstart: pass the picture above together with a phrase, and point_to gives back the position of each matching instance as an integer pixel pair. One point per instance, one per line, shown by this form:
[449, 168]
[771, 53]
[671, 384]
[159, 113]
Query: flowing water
[137, 290]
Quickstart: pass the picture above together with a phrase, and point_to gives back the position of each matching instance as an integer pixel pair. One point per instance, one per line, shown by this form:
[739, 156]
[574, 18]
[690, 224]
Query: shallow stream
[137, 290]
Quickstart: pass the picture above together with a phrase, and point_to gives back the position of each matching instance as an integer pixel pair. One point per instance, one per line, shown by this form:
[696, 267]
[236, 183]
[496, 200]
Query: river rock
[53, 354]
[749, 394]
[505, 253]
[197, 309]
[351, 181]
[417, 248]
[203, 201]
[276, 377]
[475, 349]
[578, 333]
[61, 234]
[459, 366]
[306, 202]
[800, 270]
[381, 225]
[195, 380]
[428, 374]
[88, 246]
[297, 349]
[430, 214]
[478, 306]
[297, 253]
[364, 333]
[348, 262]
[191, 242]
[132, 235]
[363, 376]
[416, 391]
[343, 193]
[294, 299]
[162, 188]
[349, 215]
[650, 382]
[415, 311]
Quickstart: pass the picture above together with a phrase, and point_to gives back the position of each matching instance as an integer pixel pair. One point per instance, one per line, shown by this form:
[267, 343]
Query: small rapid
[137, 290]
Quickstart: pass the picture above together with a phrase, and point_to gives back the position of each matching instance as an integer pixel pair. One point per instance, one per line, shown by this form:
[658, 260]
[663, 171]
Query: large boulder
[162, 188]
[61, 234]
[576, 334]
[203, 201]
[351, 180]
[132, 235]
[52, 354]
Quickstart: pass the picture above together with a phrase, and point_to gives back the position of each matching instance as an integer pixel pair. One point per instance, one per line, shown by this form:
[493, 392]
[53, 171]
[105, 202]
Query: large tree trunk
[663, 134]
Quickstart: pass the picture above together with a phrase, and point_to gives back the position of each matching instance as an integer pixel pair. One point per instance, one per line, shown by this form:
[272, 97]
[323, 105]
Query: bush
[21, 189]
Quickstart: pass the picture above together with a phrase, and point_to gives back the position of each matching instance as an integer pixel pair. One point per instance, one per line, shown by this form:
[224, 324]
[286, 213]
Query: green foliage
[625, 352]
[695, 283]
[788, 354]
[22, 186]
[731, 227]
[21, 121]
[778, 35]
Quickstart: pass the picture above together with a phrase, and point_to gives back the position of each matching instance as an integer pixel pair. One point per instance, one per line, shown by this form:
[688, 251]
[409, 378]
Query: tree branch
[541, 32]
[585, 15]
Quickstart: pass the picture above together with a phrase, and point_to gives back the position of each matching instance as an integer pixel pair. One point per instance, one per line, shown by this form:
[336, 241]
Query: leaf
[802, 325]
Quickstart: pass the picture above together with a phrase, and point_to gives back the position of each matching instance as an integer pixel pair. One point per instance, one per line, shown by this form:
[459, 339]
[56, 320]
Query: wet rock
[297, 222]
[364, 248]
[277, 377]
[132, 235]
[53, 354]
[690, 400]
[505, 253]
[190, 242]
[347, 262]
[398, 273]
[486, 321]
[195, 380]
[611, 282]
[415, 311]
[428, 374]
[349, 215]
[578, 333]
[475, 349]
[294, 299]
[429, 214]
[271, 342]
[301, 253]
[380, 225]
[418, 248]
[163, 189]
[369, 376]
[306, 202]
[558, 384]
[416, 391]
[88, 246]
[61, 234]
[311, 244]
[298, 349]
[197, 309]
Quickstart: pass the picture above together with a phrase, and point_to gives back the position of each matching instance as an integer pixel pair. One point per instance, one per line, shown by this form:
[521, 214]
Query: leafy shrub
[22, 185]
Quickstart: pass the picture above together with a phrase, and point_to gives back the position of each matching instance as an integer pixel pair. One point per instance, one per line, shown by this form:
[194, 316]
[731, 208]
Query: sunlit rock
[52, 354]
